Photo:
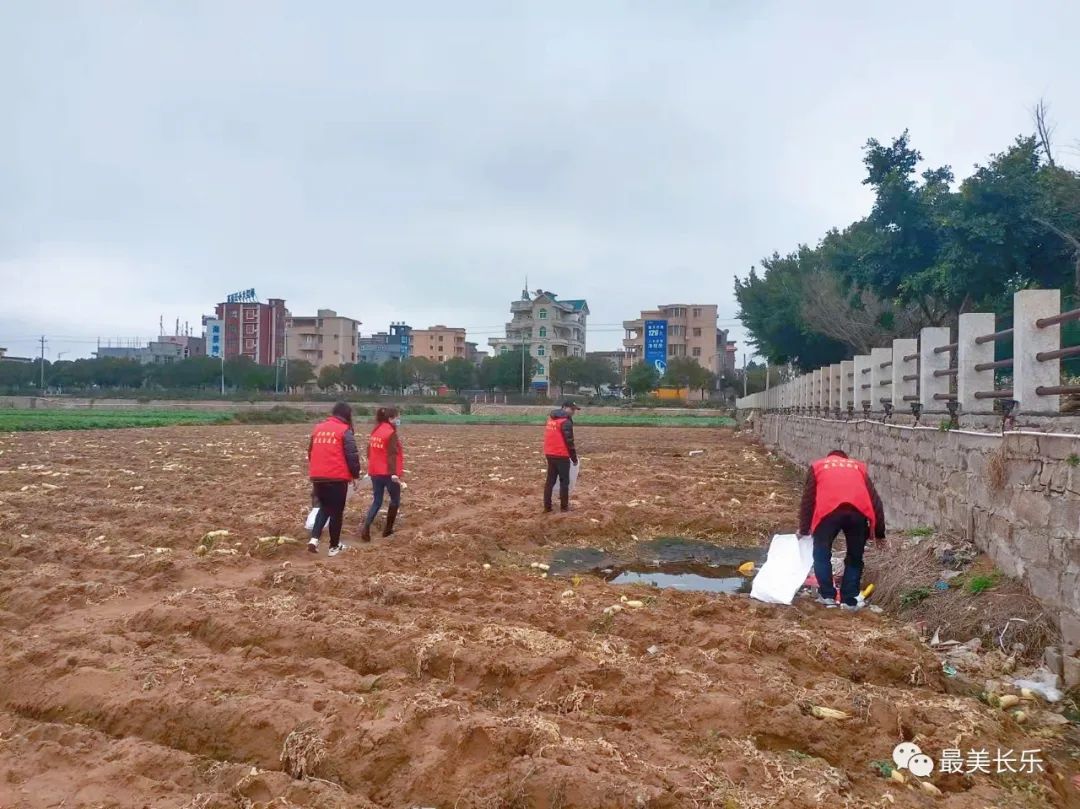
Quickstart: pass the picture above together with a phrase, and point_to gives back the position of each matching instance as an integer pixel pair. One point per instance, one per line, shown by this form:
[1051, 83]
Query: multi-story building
[384, 346]
[473, 353]
[691, 332]
[254, 330]
[5, 358]
[439, 343]
[173, 348]
[324, 340]
[165, 349]
[546, 328]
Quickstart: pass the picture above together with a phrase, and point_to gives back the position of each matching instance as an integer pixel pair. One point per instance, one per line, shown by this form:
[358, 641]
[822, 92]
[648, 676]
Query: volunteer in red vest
[839, 496]
[386, 465]
[560, 452]
[333, 461]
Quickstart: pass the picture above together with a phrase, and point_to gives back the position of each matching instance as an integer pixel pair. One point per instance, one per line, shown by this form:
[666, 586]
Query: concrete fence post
[929, 385]
[862, 380]
[819, 390]
[880, 378]
[902, 367]
[847, 395]
[1029, 374]
[969, 354]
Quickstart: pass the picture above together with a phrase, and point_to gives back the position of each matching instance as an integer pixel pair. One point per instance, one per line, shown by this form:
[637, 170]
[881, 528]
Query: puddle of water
[690, 577]
[668, 562]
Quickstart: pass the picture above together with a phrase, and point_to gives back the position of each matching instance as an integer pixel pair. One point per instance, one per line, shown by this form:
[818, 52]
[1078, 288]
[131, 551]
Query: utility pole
[222, 350]
[523, 366]
[744, 375]
[43, 362]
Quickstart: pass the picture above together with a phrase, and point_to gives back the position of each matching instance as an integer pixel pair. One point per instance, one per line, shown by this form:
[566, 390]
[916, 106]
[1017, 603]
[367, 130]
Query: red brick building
[254, 330]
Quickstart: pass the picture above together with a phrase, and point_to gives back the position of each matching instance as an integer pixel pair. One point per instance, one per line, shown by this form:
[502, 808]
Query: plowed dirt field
[406, 673]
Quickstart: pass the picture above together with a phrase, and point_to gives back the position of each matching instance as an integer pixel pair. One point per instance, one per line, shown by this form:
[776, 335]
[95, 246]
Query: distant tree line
[927, 252]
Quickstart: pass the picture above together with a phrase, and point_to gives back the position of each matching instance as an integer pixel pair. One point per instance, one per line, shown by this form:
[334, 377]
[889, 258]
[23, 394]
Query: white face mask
[396, 421]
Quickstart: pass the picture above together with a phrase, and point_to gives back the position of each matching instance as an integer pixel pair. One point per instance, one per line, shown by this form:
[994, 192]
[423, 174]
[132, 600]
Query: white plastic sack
[1044, 683]
[785, 569]
[309, 523]
[574, 467]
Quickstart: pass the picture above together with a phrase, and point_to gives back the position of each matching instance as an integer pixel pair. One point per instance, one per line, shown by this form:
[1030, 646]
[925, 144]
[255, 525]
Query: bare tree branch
[827, 310]
[1044, 129]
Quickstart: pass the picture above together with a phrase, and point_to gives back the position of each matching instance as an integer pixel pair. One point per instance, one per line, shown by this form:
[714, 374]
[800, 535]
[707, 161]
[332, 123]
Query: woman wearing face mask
[386, 465]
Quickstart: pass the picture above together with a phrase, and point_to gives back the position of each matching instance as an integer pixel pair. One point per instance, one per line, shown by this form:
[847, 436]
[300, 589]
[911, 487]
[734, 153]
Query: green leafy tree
[420, 371]
[684, 372]
[568, 371]
[599, 372]
[504, 371]
[300, 373]
[364, 376]
[17, 376]
[392, 375]
[642, 379]
[458, 374]
[331, 376]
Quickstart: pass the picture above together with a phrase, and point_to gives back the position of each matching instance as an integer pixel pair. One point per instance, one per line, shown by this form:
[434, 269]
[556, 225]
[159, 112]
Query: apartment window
[543, 314]
[540, 370]
[504, 350]
[249, 343]
[320, 356]
[442, 358]
[697, 352]
[440, 338]
[541, 351]
[697, 332]
[543, 331]
[249, 328]
[697, 313]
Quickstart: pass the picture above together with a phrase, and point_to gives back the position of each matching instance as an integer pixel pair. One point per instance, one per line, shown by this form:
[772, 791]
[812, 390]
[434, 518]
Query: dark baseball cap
[569, 405]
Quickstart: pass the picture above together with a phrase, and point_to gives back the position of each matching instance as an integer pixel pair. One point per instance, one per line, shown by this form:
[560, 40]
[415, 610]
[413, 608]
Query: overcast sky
[415, 161]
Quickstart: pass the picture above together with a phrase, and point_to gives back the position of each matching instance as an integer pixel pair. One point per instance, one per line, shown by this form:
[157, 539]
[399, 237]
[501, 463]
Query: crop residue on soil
[439, 668]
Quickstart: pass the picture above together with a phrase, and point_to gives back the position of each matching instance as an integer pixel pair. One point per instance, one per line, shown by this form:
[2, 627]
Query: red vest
[327, 459]
[378, 454]
[554, 440]
[841, 481]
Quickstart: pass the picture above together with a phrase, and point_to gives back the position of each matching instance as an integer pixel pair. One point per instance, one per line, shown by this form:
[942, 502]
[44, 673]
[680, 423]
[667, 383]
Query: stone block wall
[1016, 495]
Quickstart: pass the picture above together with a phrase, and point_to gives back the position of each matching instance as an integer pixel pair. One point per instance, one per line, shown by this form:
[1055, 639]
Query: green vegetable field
[23, 420]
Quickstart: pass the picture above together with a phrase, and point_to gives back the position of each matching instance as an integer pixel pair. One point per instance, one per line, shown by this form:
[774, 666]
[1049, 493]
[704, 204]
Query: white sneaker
[828, 603]
[851, 608]
[337, 550]
[313, 545]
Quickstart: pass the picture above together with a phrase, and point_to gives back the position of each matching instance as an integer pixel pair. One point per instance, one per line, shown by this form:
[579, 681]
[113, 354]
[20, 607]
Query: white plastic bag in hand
[309, 523]
[574, 468]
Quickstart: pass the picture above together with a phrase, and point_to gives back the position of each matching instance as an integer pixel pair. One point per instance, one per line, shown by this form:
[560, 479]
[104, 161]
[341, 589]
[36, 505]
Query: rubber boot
[365, 535]
[391, 515]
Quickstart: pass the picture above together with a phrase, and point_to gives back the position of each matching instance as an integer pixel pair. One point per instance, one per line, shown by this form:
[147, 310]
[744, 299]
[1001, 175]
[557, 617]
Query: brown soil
[135, 673]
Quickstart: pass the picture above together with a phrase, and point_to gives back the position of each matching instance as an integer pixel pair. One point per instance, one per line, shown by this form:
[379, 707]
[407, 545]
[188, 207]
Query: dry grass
[1001, 617]
[995, 469]
[303, 751]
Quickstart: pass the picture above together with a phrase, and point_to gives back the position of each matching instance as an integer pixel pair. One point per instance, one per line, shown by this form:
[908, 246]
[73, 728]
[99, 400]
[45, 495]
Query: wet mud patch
[669, 562]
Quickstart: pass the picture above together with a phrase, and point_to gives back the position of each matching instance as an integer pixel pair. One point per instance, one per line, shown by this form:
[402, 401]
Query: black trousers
[856, 531]
[331, 496]
[558, 470]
